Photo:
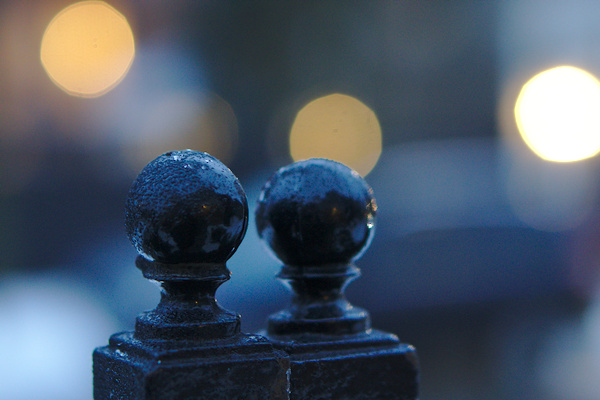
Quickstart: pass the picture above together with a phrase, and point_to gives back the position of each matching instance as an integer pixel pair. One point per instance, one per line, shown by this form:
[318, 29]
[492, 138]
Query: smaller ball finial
[316, 212]
[186, 207]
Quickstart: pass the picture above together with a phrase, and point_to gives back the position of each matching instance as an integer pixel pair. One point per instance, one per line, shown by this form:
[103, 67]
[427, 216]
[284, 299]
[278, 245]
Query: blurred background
[477, 123]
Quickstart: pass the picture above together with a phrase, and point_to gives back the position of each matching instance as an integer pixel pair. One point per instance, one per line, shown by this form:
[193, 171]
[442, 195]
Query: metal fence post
[186, 214]
[318, 216]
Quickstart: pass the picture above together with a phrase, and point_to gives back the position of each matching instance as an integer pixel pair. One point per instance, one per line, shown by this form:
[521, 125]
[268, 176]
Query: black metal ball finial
[186, 207]
[186, 214]
[316, 212]
[318, 217]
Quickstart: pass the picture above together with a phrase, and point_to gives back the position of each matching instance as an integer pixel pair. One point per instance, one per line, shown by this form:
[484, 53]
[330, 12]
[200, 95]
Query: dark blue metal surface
[318, 217]
[316, 212]
[186, 214]
[186, 206]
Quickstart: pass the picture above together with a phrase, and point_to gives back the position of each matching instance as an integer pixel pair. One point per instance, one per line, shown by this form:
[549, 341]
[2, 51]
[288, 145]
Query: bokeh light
[48, 330]
[340, 128]
[87, 48]
[558, 114]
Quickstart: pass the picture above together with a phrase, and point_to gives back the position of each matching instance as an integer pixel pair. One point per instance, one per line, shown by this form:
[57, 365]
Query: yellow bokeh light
[340, 128]
[558, 114]
[87, 48]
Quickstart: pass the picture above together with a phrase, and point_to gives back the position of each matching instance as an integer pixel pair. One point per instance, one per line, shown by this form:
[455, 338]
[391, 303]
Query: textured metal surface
[318, 217]
[372, 365]
[316, 212]
[186, 206]
[188, 309]
[186, 214]
[241, 367]
[319, 305]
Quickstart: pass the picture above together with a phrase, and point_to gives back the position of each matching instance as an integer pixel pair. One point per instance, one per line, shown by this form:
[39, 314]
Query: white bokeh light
[558, 114]
[48, 330]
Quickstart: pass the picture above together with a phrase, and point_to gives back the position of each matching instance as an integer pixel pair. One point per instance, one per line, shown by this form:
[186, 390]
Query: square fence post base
[371, 366]
[242, 367]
